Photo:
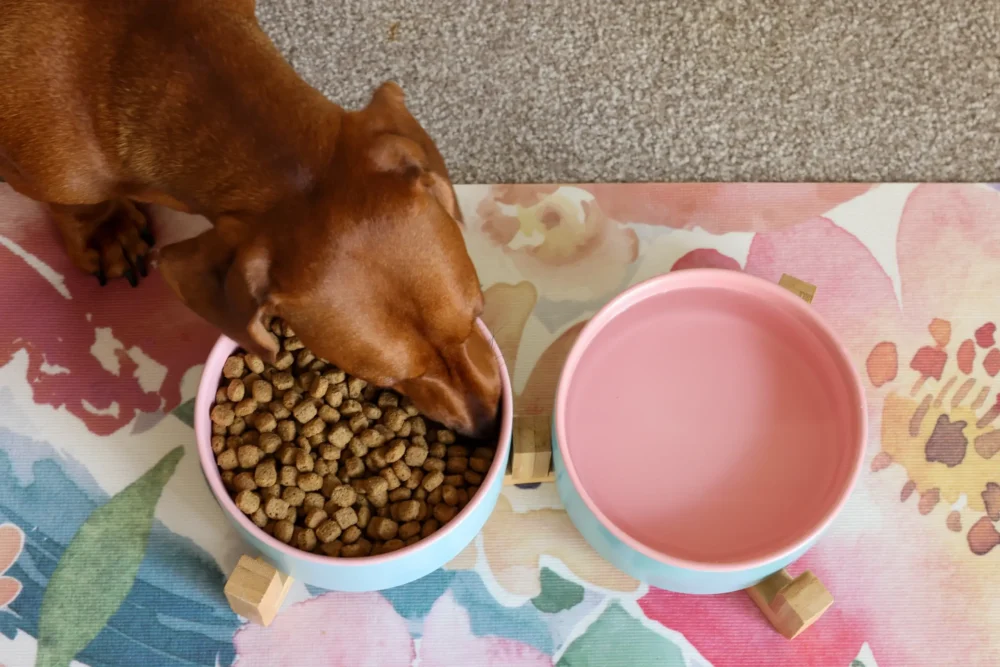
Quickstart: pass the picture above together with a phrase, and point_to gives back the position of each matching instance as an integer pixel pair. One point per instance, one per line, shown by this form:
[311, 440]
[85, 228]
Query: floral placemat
[97, 450]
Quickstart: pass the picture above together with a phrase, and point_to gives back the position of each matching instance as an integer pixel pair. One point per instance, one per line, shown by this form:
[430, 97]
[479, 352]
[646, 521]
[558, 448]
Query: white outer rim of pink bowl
[729, 279]
[207, 387]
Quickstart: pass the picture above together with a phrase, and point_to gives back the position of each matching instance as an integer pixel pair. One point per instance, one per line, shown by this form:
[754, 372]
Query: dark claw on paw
[140, 263]
[101, 278]
[130, 277]
[147, 236]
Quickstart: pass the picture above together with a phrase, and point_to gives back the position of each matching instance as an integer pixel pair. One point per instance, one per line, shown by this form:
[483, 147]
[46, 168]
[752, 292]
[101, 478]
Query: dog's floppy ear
[225, 284]
[394, 153]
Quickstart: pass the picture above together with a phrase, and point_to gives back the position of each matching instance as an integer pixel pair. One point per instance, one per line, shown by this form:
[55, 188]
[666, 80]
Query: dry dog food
[330, 464]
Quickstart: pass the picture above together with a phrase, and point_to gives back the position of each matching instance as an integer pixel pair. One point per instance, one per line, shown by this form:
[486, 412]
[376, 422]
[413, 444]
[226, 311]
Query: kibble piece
[438, 450]
[259, 518]
[454, 480]
[357, 447]
[293, 344]
[287, 430]
[254, 363]
[283, 381]
[343, 496]
[291, 399]
[433, 464]
[340, 435]
[346, 517]
[446, 437]
[409, 510]
[328, 414]
[289, 476]
[313, 501]
[265, 422]
[412, 540]
[354, 467]
[222, 415]
[350, 407]
[303, 444]
[387, 399]
[457, 464]
[358, 423]
[419, 441]
[238, 426]
[321, 467]
[416, 479]
[244, 482]
[376, 459]
[283, 530]
[472, 490]
[233, 368]
[355, 386]
[393, 545]
[397, 495]
[218, 444]
[247, 501]
[293, 495]
[359, 549]
[218, 429]
[286, 455]
[268, 492]
[248, 381]
[234, 442]
[449, 494]
[415, 456]
[371, 411]
[310, 481]
[249, 456]
[404, 432]
[417, 425]
[390, 477]
[384, 431]
[284, 361]
[401, 470]
[371, 438]
[305, 539]
[313, 428]
[364, 516]
[434, 497]
[235, 391]
[328, 452]
[276, 509]
[429, 527]
[472, 477]
[463, 497]
[220, 395]
[395, 450]
[480, 465]
[333, 549]
[382, 529]
[304, 358]
[227, 460]
[319, 386]
[406, 403]
[293, 514]
[377, 485]
[334, 397]
[420, 494]
[408, 530]
[327, 531]
[227, 477]
[304, 411]
[444, 513]
[394, 418]
[350, 535]
[278, 409]
[269, 442]
[303, 461]
[245, 408]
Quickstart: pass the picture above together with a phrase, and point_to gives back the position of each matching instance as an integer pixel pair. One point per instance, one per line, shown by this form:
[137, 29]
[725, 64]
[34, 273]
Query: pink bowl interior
[711, 420]
[203, 433]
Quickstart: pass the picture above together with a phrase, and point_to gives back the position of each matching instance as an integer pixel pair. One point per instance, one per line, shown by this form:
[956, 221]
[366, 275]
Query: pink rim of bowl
[203, 434]
[749, 287]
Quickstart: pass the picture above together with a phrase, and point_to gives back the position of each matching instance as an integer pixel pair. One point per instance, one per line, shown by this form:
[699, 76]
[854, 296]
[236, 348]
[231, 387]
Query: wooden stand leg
[255, 590]
[531, 458]
[791, 605]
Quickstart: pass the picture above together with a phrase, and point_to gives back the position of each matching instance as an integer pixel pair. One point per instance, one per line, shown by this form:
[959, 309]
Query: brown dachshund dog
[345, 224]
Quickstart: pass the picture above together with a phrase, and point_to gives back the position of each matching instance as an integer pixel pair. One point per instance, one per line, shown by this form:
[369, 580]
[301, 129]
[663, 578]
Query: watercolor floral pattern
[94, 396]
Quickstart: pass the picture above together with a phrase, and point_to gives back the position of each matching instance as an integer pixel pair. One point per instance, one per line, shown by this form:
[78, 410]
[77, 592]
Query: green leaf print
[857, 663]
[100, 564]
[185, 412]
[618, 638]
[557, 593]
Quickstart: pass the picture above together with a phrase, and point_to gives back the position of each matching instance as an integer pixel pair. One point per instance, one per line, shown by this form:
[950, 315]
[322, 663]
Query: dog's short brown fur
[343, 223]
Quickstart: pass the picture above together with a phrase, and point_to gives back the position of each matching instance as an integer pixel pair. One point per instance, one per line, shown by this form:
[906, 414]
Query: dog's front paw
[109, 240]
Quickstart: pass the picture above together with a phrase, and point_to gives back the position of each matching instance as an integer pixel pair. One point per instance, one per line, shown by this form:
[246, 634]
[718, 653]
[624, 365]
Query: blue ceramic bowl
[355, 574]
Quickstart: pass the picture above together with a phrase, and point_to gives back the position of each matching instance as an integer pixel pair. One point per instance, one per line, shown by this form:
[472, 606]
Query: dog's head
[367, 265]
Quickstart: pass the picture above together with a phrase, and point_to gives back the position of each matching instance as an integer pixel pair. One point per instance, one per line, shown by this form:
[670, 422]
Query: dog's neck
[266, 133]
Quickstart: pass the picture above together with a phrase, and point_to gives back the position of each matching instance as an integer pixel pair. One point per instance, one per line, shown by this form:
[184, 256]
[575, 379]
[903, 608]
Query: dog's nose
[483, 418]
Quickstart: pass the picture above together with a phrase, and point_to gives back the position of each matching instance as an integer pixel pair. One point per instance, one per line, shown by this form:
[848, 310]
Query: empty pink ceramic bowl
[708, 426]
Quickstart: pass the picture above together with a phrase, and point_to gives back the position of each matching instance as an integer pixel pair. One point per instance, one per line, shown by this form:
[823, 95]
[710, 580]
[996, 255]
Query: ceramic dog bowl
[355, 574]
[708, 427]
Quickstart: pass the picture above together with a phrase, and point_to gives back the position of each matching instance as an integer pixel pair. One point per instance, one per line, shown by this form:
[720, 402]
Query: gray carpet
[598, 90]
